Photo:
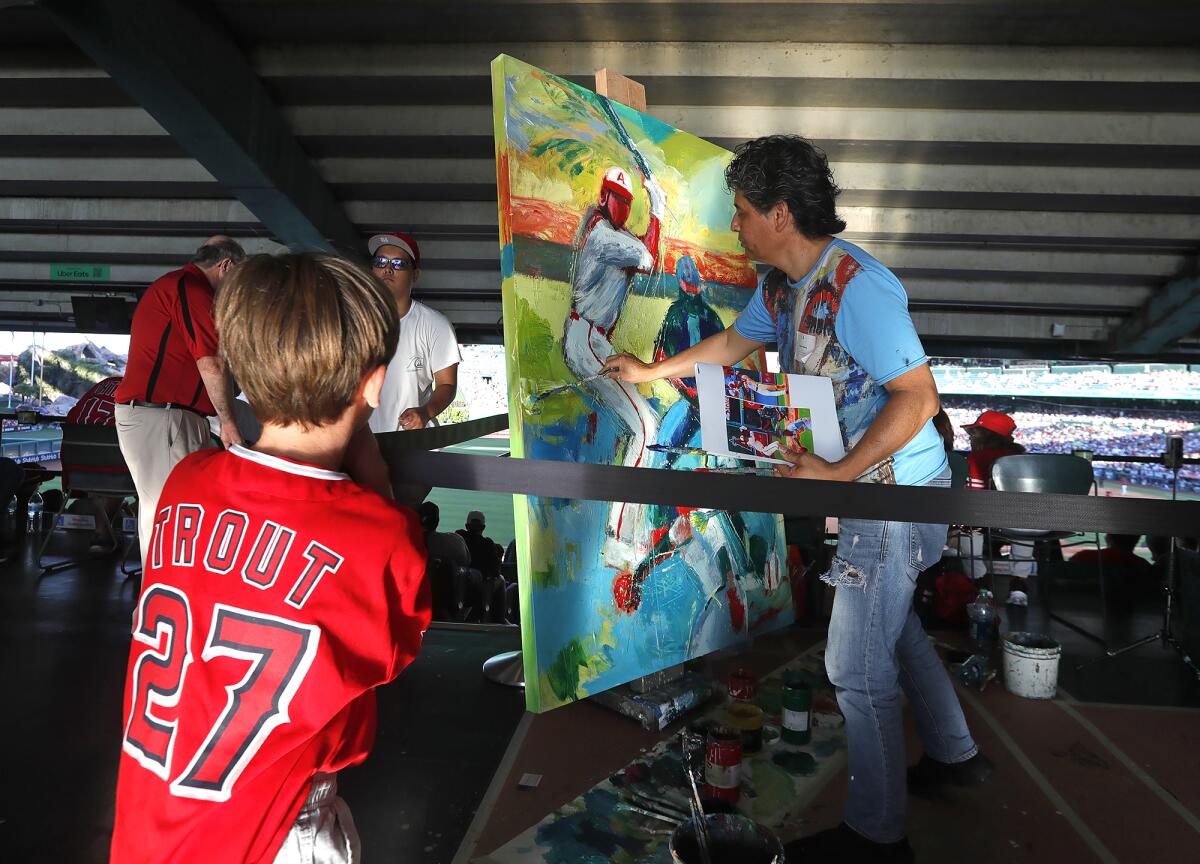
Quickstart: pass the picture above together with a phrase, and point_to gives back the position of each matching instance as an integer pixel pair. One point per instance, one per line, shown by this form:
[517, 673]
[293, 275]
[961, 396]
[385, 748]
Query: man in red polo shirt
[175, 378]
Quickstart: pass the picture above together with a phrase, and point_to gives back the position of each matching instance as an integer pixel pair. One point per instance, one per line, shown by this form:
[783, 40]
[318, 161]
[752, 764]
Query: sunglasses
[382, 263]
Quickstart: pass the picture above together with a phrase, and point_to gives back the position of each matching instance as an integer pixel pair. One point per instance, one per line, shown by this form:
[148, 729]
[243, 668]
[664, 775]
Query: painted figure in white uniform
[608, 257]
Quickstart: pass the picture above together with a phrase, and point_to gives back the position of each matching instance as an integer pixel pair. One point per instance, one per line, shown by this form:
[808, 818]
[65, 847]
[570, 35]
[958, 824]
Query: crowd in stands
[1107, 431]
[1152, 382]
[482, 382]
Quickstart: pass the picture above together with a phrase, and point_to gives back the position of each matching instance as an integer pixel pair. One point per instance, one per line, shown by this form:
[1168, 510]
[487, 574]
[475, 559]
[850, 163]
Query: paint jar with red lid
[723, 764]
[743, 685]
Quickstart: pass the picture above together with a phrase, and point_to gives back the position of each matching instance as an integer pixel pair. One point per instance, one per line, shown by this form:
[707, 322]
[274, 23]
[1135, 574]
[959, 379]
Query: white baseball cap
[618, 180]
[400, 240]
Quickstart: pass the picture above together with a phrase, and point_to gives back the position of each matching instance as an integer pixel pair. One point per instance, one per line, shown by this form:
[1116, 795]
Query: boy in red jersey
[278, 593]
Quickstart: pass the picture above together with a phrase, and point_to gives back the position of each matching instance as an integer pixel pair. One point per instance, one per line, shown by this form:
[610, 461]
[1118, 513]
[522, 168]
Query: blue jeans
[876, 647]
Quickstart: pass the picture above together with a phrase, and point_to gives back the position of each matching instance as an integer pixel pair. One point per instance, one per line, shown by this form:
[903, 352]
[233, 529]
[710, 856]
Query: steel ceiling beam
[1172, 313]
[178, 62]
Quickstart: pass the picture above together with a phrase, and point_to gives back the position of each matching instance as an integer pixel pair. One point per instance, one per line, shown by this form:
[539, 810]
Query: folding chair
[1047, 472]
[449, 584]
[958, 470]
[92, 464]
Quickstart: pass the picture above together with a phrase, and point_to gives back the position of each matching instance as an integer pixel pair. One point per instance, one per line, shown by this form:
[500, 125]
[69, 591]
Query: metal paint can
[747, 718]
[743, 685]
[723, 764]
[797, 711]
[730, 838]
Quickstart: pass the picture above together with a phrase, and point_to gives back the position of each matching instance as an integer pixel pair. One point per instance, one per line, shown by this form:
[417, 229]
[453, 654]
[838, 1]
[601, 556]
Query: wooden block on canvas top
[621, 89]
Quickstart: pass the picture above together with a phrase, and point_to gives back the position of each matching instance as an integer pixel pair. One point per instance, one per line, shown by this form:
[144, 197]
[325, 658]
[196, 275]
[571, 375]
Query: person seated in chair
[95, 408]
[482, 549]
[1117, 552]
[11, 478]
[441, 544]
[1133, 574]
[486, 559]
[448, 566]
[991, 438]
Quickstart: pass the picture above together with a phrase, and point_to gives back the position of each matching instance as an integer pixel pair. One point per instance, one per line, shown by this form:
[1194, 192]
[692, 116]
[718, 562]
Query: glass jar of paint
[797, 711]
[723, 764]
[743, 684]
[747, 718]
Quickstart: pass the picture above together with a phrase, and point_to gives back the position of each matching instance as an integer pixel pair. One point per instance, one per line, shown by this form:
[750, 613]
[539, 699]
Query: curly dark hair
[790, 169]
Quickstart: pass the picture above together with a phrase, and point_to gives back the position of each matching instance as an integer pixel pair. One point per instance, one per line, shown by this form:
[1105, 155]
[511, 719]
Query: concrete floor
[443, 730]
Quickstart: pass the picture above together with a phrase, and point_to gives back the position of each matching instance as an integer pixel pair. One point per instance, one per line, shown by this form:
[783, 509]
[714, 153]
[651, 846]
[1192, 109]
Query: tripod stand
[1172, 459]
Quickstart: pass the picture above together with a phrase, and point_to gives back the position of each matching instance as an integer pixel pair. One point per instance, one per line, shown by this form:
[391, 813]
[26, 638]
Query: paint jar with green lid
[797, 711]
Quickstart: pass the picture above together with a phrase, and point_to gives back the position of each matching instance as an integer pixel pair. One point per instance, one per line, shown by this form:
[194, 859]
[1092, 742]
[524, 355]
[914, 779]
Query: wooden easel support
[621, 89]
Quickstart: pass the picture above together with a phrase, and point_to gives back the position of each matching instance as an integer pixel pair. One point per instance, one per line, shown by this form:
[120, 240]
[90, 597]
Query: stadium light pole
[32, 371]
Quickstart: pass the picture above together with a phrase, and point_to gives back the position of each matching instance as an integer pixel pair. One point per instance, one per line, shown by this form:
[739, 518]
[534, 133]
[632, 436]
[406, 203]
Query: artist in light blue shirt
[847, 319]
[835, 311]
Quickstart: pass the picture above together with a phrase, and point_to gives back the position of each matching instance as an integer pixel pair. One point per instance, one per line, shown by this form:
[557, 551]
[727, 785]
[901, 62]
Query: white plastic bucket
[1031, 665]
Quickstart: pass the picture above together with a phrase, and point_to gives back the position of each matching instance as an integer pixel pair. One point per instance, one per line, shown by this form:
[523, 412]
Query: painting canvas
[614, 234]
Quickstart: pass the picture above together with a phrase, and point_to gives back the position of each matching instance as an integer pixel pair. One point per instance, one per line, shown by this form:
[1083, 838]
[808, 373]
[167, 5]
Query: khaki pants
[324, 831]
[153, 441]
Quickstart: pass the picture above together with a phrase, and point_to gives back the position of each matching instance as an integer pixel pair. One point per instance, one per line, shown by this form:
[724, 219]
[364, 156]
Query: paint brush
[663, 808]
[641, 811]
[701, 831]
[533, 399]
[701, 822]
[660, 804]
[678, 451]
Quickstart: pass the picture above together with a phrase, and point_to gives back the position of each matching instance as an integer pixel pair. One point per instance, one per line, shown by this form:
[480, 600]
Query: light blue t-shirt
[847, 319]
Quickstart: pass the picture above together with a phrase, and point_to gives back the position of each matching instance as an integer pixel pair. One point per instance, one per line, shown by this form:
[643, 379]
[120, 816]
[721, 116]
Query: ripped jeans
[876, 647]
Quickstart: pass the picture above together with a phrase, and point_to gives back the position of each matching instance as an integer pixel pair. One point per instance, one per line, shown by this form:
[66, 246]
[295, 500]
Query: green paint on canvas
[547, 577]
[564, 673]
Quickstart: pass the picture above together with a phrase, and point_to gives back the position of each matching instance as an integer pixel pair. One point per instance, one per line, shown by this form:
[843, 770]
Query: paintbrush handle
[701, 822]
[701, 833]
[625, 805]
[664, 807]
[659, 804]
[537, 397]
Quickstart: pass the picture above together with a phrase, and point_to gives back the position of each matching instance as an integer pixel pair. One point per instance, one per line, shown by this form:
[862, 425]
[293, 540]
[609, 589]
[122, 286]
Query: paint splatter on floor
[795, 762]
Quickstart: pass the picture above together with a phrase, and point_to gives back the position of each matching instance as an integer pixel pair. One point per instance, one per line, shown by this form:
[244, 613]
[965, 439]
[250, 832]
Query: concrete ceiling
[1019, 167]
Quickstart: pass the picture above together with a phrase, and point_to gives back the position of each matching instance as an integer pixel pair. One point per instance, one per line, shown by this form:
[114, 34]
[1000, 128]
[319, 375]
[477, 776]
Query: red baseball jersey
[172, 329]
[276, 597]
[95, 407]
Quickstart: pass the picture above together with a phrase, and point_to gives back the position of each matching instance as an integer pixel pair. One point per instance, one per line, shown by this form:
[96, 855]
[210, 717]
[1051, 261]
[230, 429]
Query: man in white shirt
[422, 378]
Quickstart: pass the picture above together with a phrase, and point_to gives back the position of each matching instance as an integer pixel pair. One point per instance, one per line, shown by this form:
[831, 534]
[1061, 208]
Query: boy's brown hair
[300, 331]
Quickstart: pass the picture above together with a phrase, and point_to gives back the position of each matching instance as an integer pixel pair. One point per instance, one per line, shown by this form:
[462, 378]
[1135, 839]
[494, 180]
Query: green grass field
[33, 441]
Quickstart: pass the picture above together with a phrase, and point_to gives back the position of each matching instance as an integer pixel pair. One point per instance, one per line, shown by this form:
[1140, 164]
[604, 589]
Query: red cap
[994, 421]
[398, 239]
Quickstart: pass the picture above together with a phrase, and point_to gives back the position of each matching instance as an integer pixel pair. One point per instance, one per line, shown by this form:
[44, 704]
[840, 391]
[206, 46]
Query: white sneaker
[1018, 598]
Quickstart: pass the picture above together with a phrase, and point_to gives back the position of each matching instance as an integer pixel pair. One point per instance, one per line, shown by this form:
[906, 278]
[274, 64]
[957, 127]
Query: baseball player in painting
[278, 592]
[608, 257]
[689, 319]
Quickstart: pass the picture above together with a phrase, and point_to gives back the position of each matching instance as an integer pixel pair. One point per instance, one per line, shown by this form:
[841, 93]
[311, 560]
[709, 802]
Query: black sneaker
[846, 846]
[930, 776]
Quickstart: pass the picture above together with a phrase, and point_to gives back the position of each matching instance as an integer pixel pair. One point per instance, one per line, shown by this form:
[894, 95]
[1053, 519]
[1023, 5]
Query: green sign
[79, 272]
